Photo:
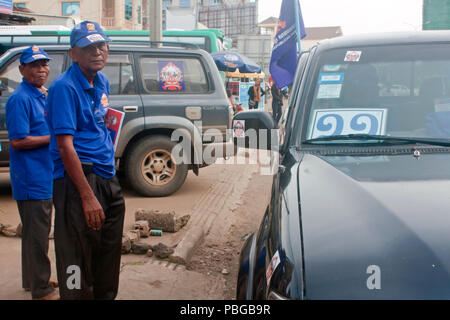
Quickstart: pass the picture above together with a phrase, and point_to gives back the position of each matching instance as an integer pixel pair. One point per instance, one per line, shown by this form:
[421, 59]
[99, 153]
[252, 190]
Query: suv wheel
[151, 170]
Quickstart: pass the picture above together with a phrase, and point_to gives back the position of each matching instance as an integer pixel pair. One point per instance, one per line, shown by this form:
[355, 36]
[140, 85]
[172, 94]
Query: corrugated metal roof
[270, 21]
[313, 33]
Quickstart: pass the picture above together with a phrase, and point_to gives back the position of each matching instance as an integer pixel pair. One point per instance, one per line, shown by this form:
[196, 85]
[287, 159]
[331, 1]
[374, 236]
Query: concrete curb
[185, 249]
[210, 209]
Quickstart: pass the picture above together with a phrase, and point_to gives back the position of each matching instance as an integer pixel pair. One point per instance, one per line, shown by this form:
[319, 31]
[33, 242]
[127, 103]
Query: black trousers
[36, 216]
[276, 112]
[88, 261]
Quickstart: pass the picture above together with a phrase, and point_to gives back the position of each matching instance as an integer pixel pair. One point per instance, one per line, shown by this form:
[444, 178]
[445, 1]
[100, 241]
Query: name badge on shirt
[101, 110]
[99, 114]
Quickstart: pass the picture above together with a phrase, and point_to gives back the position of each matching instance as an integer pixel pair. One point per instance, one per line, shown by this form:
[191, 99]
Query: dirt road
[226, 200]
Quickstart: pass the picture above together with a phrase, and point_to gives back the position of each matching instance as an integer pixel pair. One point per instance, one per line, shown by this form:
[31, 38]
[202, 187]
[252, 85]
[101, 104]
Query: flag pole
[297, 24]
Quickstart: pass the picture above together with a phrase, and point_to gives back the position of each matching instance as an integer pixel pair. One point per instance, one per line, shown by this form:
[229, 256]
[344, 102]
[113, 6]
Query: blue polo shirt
[30, 170]
[77, 109]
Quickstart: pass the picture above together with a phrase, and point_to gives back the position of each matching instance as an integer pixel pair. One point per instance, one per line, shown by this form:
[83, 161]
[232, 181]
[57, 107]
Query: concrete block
[185, 249]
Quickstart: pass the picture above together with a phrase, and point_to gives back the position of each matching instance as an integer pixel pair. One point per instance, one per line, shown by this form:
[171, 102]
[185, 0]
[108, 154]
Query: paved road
[226, 200]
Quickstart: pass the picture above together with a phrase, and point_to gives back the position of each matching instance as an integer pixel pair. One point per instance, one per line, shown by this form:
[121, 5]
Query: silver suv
[196, 116]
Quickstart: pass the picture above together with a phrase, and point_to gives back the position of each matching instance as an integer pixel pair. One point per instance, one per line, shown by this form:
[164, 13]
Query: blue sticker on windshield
[334, 122]
[330, 78]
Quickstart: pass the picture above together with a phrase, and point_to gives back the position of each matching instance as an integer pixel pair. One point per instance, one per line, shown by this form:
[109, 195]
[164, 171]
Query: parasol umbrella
[231, 60]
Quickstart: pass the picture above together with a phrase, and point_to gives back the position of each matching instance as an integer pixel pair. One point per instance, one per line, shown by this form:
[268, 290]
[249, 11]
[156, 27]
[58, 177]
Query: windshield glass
[397, 91]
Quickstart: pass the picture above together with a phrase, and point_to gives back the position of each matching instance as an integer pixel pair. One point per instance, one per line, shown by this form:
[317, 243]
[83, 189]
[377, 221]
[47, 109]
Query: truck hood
[376, 227]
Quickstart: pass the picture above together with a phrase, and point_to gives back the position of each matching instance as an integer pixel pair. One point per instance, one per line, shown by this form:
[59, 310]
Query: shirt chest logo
[104, 101]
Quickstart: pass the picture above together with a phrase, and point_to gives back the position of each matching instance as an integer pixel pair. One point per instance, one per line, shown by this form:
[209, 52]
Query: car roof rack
[164, 44]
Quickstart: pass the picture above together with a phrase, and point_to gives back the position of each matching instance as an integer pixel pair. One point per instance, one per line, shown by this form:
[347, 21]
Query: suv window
[173, 75]
[119, 71]
[10, 77]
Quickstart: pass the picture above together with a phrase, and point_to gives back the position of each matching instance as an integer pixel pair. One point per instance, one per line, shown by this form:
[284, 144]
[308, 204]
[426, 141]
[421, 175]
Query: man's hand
[93, 212]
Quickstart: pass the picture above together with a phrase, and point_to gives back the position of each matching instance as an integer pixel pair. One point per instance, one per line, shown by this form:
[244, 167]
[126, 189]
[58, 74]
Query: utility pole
[155, 18]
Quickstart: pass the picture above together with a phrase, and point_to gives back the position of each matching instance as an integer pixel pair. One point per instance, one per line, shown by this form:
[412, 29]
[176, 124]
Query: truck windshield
[395, 90]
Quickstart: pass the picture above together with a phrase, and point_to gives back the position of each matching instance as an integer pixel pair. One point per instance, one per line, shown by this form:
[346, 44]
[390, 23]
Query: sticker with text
[329, 91]
[327, 78]
[331, 67]
[239, 129]
[353, 56]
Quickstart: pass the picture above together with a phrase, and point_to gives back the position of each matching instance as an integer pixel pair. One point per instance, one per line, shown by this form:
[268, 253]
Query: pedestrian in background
[236, 107]
[31, 171]
[230, 98]
[277, 103]
[89, 205]
[255, 94]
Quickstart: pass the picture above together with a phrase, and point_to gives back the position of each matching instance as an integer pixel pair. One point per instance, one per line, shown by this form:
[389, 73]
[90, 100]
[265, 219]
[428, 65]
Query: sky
[354, 16]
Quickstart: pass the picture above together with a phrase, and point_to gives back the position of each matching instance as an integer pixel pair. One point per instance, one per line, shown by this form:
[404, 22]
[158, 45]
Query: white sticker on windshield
[329, 91]
[353, 56]
[239, 129]
[272, 266]
[334, 122]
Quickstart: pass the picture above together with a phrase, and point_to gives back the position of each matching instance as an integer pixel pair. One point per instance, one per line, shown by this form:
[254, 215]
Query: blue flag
[283, 62]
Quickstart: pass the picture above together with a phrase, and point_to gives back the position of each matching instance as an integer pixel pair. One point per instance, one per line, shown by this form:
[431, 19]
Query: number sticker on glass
[333, 122]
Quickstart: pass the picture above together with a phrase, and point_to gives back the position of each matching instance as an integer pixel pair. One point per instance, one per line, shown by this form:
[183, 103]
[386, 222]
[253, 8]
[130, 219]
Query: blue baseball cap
[32, 54]
[86, 33]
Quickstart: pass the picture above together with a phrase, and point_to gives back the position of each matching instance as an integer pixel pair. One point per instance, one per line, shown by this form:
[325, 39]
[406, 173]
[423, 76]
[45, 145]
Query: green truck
[436, 14]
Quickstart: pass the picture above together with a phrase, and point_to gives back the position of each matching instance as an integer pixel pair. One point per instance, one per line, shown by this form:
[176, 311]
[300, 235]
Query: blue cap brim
[31, 59]
[84, 42]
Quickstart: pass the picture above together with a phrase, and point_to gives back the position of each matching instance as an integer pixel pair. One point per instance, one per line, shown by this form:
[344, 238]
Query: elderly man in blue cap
[89, 205]
[31, 170]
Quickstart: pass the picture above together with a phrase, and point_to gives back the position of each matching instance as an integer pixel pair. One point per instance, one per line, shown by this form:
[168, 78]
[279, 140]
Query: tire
[151, 169]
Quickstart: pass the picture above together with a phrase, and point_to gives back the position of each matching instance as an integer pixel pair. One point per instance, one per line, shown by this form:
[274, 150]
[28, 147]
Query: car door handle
[130, 108]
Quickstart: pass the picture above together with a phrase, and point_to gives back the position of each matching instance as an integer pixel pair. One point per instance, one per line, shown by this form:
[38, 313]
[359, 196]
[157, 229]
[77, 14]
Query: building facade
[234, 18]
[259, 47]
[111, 14]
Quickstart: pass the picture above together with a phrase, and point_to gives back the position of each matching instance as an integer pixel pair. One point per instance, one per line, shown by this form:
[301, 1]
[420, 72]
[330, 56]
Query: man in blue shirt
[31, 170]
[89, 206]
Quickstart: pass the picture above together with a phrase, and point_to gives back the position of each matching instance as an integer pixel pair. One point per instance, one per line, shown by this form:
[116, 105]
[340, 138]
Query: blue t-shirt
[77, 109]
[30, 170]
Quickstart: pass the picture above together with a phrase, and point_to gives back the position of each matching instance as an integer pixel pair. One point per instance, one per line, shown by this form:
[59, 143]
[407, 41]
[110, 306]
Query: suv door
[10, 78]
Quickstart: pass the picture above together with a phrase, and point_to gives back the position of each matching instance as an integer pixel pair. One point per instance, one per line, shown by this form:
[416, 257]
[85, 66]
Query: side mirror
[255, 129]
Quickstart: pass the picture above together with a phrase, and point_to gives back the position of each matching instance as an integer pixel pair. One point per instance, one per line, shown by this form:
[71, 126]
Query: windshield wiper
[397, 140]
